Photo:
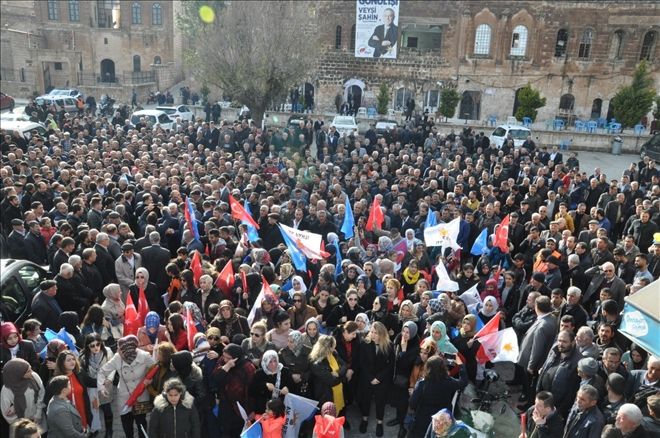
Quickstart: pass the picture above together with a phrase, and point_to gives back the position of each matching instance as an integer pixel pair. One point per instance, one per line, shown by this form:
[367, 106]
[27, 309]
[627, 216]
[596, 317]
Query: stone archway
[108, 71]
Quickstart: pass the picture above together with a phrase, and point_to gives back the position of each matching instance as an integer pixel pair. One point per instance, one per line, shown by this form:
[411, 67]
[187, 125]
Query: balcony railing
[125, 78]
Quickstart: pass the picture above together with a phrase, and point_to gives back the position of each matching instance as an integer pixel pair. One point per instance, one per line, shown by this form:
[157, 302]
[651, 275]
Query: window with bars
[136, 13]
[584, 50]
[482, 40]
[352, 42]
[74, 10]
[53, 10]
[519, 41]
[338, 37]
[616, 49]
[648, 44]
[561, 44]
[157, 14]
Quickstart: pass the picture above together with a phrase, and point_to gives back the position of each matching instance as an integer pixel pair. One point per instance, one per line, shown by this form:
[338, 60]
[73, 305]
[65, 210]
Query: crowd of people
[103, 205]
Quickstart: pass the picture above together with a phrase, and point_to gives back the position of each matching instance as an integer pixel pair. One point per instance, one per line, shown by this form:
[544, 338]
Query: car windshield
[519, 134]
[344, 121]
[499, 132]
[167, 110]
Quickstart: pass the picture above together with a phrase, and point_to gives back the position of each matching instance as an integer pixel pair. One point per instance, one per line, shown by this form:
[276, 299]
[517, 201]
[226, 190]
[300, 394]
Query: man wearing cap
[35, 245]
[553, 276]
[16, 240]
[125, 267]
[45, 307]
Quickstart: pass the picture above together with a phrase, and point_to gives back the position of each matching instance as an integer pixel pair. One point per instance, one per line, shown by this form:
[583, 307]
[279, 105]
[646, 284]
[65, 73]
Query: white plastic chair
[362, 112]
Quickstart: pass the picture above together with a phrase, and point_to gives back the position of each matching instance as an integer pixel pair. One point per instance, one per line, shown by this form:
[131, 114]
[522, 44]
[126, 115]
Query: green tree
[634, 101]
[449, 99]
[383, 99]
[254, 51]
[529, 101]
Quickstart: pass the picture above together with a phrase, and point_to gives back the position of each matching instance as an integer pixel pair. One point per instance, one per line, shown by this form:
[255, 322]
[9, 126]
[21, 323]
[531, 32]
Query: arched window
[585, 44]
[519, 41]
[338, 37]
[53, 10]
[157, 15]
[136, 13]
[401, 98]
[648, 46]
[482, 40]
[137, 63]
[432, 100]
[561, 44]
[352, 42]
[74, 10]
[108, 70]
[616, 49]
[157, 60]
[567, 102]
[596, 108]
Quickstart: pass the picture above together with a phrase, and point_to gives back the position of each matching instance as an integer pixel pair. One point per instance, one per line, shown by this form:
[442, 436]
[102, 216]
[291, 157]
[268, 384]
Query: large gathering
[216, 275]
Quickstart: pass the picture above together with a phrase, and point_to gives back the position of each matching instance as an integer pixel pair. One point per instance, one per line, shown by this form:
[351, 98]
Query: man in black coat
[385, 35]
[155, 258]
[16, 240]
[559, 372]
[72, 295]
[45, 307]
[67, 246]
[91, 274]
[544, 418]
[34, 244]
[104, 261]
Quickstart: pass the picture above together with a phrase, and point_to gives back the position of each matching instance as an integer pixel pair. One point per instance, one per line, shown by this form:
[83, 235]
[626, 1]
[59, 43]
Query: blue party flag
[431, 220]
[338, 269]
[480, 246]
[297, 257]
[349, 221]
[252, 233]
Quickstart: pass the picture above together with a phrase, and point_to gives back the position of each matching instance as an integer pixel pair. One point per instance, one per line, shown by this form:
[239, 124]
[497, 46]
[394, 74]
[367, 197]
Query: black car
[19, 282]
[651, 148]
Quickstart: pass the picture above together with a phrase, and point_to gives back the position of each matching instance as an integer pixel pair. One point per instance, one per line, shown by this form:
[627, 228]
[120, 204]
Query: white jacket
[33, 411]
[130, 375]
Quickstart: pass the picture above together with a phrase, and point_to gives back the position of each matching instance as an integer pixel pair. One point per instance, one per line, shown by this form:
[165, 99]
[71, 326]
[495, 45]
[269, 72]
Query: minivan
[24, 128]
[518, 133]
[651, 148]
[69, 103]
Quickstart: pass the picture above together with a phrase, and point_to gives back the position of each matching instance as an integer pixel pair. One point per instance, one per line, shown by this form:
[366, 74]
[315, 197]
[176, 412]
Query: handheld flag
[501, 239]
[480, 246]
[431, 219]
[349, 221]
[143, 306]
[471, 298]
[131, 321]
[338, 269]
[265, 291]
[445, 283]
[251, 230]
[191, 329]
[139, 389]
[225, 280]
[401, 249]
[297, 257]
[239, 213]
[489, 328]
[376, 216]
[254, 431]
[63, 336]
[501, 346]
[189, 214]
[298, 410]
[443, 235]
[196, 267]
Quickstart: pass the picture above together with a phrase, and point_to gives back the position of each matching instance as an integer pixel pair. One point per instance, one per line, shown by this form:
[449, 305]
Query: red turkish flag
[239, 213]
[491, 326]
[131, 318]
[225, 280]
[143, 306]
[196, 267]
[376, 217]
[501, 239]
[191, 329]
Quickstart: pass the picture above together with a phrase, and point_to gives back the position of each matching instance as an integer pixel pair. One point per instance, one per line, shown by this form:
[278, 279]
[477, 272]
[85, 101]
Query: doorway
[108, 71]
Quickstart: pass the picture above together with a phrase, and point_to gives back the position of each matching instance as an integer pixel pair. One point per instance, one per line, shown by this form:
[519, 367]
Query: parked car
[518, 133]
[6, 102]
[19, 282]
[177, 111]
[344, 124]
[384, 125]
[154, 117]
[15, 117]
[69, 103]
[651, 148]
[70, 92]
[294, 120]
[26, 129]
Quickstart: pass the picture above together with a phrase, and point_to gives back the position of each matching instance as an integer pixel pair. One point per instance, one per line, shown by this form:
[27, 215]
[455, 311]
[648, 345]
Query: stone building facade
[97, 46]
[576, 53]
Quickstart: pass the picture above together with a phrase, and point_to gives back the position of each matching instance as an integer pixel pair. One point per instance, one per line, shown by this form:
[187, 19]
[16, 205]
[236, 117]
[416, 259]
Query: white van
[153, 117]
[69, 103]
[518, 133]
[24, 128]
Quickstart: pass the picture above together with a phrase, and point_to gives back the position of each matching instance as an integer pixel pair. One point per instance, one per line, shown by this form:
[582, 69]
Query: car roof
[19, 124]
[514, 127]
[167, 107]
[148, 112]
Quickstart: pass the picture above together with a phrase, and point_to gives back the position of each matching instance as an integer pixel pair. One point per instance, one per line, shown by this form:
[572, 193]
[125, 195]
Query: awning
[641, 318]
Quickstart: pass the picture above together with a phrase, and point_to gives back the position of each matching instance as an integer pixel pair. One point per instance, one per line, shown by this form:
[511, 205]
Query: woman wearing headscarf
[22, 393]
[366, 294]
[272, 380]
[635, 358]
[488, 310]
[439, 336]
[113, 309]
[297, 285]
[191, 376]
[379, 313]
[295, 357]
[232, 379]
[407, 313]
[12, 346]
[94, 355]
[312, 332]
[350, 279]
[406, 351]
[410, 276]
[132, 365]
[267, 310]
[47, 367]
[196, 314]
[152, 333]
[69, 321]
[300, 312]
[467, 346]
[492, 290]
[229, 322]
[328, 372]
[151, 291]
[363, 325]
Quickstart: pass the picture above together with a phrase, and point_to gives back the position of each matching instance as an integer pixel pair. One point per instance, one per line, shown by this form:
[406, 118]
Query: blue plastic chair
[564, 144]
[614, 128]
[527, 122]
[592, 125]
[558, 125]
[639, 129]
[371, 112]
[602, 122]
[492, 120]
[580, 126]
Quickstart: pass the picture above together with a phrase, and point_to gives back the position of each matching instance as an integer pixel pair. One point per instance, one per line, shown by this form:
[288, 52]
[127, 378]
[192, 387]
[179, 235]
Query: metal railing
[129, 77]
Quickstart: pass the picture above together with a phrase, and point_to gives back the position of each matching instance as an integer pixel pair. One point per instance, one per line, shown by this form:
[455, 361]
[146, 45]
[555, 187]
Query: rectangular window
[58, 65]
[53, 11]
[412, 42]
[157, 15]
[74, 10]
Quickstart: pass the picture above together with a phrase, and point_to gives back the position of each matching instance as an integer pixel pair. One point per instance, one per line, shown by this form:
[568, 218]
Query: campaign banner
[376, 28]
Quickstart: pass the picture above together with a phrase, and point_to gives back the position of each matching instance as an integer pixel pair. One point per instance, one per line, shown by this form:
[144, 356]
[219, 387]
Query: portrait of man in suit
[385, 35]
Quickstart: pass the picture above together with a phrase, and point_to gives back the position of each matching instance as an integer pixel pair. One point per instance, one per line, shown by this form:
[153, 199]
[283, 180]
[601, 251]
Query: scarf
[13, 376]
[493, 301]
[127, 347]
[473, 325]
[409, 277]
[152, 320]
[94, 361]
[444, 346]
[265, 360]
[338, 389]
[364, 318]
[296, 339]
